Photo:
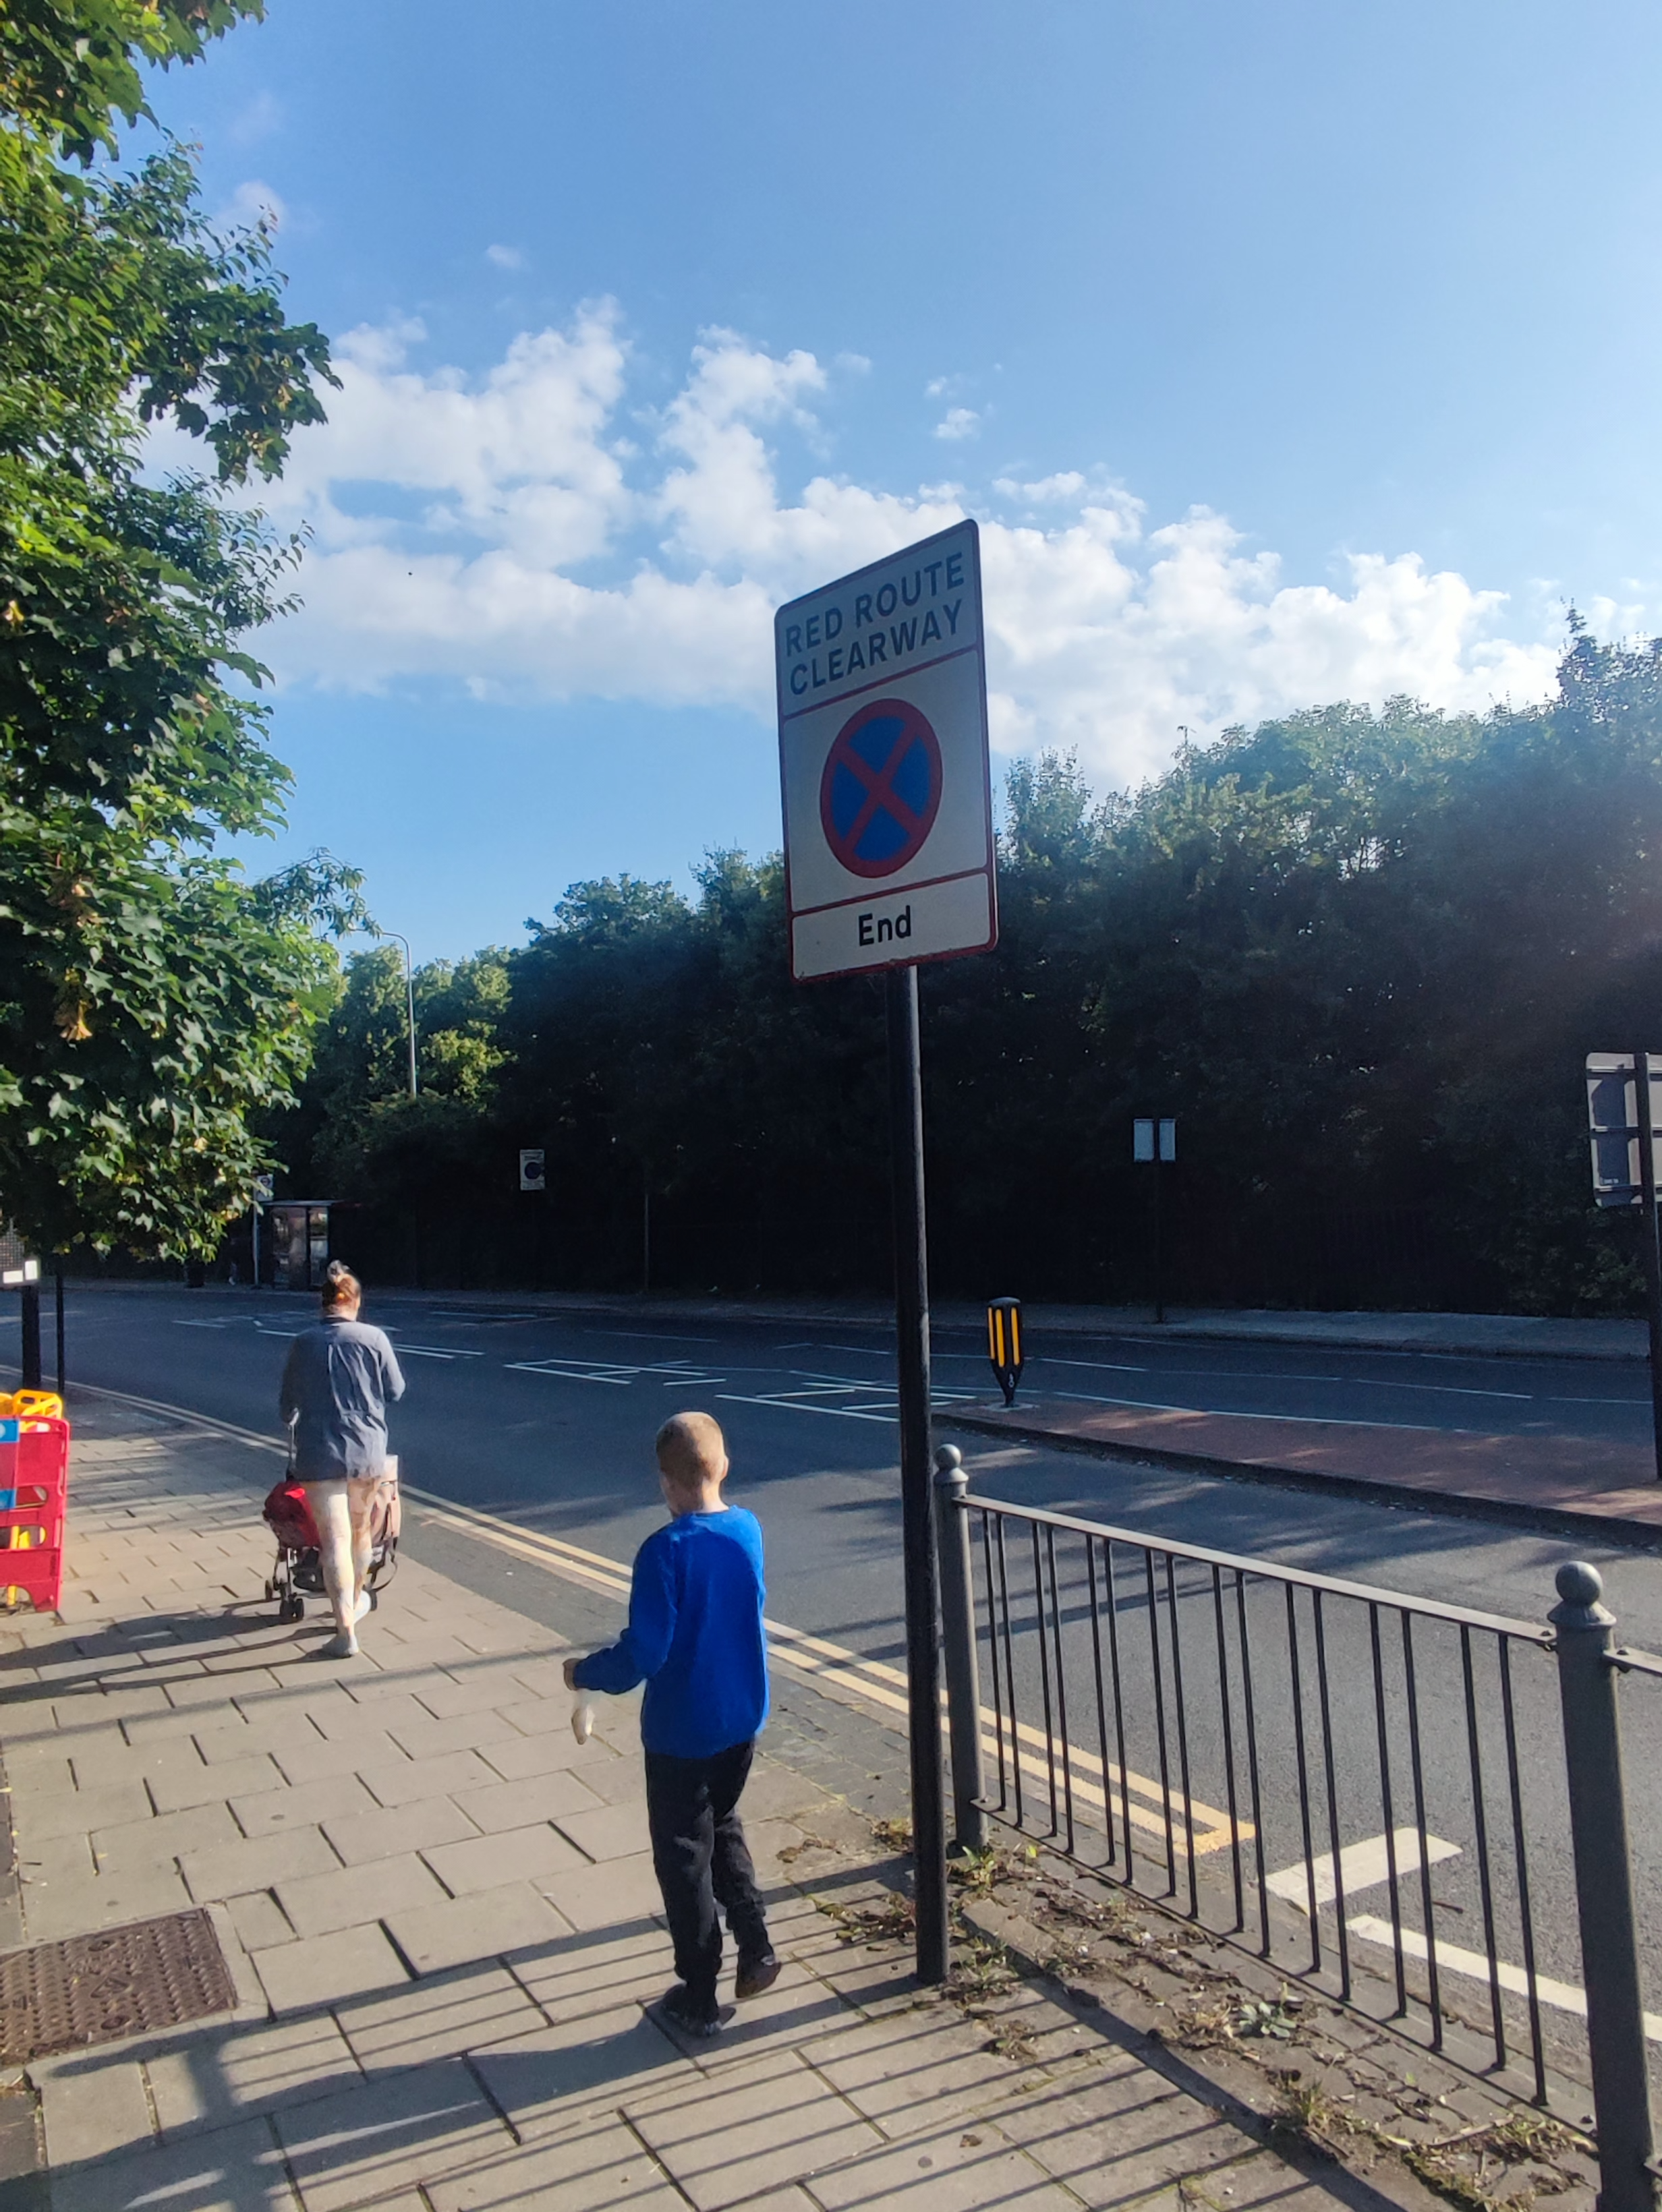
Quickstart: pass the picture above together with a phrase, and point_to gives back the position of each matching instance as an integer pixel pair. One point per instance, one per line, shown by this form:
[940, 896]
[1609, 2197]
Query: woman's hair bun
[339, 1286]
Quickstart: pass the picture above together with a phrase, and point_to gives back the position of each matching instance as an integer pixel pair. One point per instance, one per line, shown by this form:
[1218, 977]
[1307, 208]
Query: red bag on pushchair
[298, 1573]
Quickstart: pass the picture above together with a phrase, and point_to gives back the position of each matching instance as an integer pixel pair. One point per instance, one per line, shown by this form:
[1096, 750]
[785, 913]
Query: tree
[153, 998]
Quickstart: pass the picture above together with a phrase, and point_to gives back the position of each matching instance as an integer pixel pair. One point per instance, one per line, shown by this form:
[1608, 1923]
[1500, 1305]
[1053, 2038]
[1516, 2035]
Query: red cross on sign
[881, 791]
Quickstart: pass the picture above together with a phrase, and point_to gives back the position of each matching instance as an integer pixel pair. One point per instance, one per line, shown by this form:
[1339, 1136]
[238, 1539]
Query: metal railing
[1417, 1806]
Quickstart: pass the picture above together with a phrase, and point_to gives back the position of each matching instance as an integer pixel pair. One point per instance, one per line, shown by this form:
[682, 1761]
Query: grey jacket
[338, 1378]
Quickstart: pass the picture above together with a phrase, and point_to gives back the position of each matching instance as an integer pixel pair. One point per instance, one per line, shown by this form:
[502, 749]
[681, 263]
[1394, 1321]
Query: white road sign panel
[883, 762]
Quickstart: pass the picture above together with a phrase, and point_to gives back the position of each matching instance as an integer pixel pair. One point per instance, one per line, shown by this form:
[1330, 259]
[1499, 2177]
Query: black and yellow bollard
[1004, 1344]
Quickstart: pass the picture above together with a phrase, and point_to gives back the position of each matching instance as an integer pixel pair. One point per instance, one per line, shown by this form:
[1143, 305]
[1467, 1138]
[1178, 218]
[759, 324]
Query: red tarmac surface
[1531, 1476]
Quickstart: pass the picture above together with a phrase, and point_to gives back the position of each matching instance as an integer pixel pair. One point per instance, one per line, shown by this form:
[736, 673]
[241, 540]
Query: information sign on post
[883, 763]
[1624, 1116]
[889, 861]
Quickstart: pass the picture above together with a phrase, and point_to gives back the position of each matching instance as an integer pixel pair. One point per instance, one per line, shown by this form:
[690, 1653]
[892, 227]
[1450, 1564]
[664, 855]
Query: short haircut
[692, 1450]
[339, 1286]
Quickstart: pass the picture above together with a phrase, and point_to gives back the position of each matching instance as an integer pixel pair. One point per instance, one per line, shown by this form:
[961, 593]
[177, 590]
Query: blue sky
[1285, 353]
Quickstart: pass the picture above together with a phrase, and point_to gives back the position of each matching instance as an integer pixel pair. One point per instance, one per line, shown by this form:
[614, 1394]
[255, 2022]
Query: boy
[695, 1638]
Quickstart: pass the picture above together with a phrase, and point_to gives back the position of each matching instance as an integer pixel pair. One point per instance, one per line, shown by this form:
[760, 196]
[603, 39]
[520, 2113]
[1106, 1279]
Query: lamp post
[409, 1002]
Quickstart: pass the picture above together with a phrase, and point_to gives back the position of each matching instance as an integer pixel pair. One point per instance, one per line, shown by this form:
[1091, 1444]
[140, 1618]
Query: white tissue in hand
[582, 1719]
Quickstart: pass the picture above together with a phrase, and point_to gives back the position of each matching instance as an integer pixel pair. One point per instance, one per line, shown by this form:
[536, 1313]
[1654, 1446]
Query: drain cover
[123, 1981]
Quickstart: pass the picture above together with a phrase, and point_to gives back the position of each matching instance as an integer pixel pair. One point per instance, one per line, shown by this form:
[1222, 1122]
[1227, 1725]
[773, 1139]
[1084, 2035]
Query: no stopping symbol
[881, 791]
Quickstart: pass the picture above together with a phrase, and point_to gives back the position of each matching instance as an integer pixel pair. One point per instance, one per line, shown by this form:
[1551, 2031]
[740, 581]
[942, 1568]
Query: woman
[336, 1385]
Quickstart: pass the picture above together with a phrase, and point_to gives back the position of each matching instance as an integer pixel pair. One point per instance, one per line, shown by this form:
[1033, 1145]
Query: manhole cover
[123, 1981]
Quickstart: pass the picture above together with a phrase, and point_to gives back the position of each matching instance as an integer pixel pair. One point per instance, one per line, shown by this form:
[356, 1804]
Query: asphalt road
[546, 1419]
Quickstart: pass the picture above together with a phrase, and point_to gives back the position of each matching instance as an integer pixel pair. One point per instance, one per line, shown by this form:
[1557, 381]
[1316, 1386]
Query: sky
[1284, 354]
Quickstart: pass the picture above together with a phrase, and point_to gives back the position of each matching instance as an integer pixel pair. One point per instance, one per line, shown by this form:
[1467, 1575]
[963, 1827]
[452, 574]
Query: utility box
[297, 1240]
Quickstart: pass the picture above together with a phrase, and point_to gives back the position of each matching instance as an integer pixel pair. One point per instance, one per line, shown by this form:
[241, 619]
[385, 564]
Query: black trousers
[699, 1854]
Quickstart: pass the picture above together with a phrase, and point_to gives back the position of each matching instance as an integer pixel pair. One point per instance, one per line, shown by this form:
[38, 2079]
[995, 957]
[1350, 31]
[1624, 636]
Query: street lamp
[409, 1002]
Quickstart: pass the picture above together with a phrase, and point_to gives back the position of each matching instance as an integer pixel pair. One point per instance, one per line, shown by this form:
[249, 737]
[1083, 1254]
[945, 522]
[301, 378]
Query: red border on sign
[880, 794]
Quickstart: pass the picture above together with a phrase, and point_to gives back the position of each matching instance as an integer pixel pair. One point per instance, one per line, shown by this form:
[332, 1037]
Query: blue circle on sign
[881, 791]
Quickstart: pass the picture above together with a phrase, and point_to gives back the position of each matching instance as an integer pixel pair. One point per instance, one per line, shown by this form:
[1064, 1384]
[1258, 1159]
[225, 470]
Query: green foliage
[68, 68]
[152, 998]
[1360, 956]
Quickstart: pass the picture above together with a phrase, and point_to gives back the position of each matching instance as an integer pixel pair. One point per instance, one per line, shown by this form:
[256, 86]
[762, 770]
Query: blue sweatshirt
[694, 1636]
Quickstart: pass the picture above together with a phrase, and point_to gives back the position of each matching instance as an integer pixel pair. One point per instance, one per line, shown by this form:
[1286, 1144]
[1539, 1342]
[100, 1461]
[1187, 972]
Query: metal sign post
[1622, 1114]
[888, 798]
[1157, 1141]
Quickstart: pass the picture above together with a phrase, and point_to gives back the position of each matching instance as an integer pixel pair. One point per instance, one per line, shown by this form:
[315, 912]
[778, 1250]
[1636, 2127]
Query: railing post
[1603, 1890]
[952, 1487]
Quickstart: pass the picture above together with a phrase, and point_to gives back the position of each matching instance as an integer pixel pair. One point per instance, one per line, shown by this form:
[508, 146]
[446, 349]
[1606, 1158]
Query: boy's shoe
[683, 2013]
[756, 1975]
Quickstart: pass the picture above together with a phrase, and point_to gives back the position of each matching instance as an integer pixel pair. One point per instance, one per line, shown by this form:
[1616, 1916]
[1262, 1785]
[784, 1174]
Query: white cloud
[250, 204]
[958, 422]
[505, 257]
[261, 117]
[498, 532]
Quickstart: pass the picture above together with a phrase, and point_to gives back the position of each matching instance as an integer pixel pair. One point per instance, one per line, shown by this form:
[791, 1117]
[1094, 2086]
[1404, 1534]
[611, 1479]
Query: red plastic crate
[35, 1482]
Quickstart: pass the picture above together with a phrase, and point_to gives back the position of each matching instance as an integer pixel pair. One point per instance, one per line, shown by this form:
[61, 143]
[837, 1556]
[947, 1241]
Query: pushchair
[298, 1573]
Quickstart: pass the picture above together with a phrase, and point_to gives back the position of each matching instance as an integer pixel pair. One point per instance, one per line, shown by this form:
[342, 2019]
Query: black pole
[1160, 1230]
[646, 1234]
[911, 1316]
[1647, 1240]
[32, 1336]
[58, 1282]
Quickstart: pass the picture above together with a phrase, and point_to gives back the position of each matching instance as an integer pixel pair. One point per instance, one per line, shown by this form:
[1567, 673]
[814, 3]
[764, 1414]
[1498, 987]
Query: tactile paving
[120, 1982]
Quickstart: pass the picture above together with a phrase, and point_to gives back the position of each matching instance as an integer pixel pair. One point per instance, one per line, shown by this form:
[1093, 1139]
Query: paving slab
[396, 2131]
[515, 1855]
[437, 2017]
[233, 2170]
[768, 2121]
[554, 2076]
[488, 1924]
[604, 2167]
[349, 1896]
[542, 1796]
[213, 2077]
[325, 1968]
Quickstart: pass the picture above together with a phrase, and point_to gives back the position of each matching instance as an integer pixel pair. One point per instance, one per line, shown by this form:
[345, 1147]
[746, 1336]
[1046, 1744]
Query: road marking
[650, 1335]
[1236, 1413]
[1564, 1997]
[1102, 1366]
[199, 1324]
[1361, 1866]
[437, 1351]
[670, 1371]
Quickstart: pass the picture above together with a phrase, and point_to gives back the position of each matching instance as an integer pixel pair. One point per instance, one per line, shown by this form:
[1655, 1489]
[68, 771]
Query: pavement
[1593, 1488]
[442, 1926]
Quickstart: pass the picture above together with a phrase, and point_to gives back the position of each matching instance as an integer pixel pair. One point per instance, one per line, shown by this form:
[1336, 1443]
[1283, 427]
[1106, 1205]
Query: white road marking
[199, 1324]
[1564, 1997]
[1104, 1366]
[650, 1336]
[439, 1351]
[1235, 1413]
[671, 1372]
[1361, 1866]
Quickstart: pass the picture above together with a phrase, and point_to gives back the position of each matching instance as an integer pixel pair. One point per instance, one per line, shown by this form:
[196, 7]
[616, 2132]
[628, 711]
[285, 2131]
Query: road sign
[883, 763]
[533, 1169]
[1143, 1140]
[1613, 1122]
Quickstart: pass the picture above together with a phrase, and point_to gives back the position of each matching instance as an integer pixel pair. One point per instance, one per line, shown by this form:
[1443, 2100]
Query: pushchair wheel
[292, 1609]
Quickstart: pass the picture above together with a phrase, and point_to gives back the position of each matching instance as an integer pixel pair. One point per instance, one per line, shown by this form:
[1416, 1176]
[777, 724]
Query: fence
[1418, 1806]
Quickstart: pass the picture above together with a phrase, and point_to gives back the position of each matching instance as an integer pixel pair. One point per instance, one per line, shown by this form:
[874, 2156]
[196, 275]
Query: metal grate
[121, 1982]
